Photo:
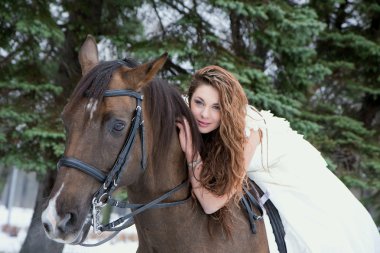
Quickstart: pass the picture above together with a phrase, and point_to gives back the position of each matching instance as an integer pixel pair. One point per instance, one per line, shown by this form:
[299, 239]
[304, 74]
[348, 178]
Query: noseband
[109, 181]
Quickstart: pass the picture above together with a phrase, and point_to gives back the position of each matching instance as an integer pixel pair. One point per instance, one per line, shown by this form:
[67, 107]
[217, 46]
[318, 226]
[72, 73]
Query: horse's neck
[186, 228]
[158, 181]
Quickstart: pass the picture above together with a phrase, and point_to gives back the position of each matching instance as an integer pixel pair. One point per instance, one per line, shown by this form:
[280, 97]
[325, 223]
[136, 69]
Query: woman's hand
[186, 140]
[209, 201]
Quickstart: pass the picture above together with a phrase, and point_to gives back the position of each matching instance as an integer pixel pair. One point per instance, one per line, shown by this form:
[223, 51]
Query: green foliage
[26, 141]
[24, 87]
[38, 48]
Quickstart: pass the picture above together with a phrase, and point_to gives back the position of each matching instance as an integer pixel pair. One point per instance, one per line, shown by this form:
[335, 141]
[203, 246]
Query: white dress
[319, 213]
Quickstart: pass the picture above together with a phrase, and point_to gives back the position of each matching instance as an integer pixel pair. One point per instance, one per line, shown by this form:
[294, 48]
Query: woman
[319, 213]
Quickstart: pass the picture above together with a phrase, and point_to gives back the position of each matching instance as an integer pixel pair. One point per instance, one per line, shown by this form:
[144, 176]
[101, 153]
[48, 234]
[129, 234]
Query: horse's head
[98, 122]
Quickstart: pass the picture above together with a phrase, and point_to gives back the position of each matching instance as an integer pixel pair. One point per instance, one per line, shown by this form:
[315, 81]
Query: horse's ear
[146, 72]
[88, 55]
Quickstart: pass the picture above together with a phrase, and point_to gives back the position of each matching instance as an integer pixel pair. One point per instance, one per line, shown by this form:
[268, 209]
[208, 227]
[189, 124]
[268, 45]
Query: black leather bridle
[109, 181]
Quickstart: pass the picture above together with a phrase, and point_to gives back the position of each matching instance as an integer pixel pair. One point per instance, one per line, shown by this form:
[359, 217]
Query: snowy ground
[125, 241]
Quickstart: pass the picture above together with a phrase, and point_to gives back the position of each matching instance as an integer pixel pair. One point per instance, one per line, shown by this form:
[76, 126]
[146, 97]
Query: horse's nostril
[47, 227]
[65, 222]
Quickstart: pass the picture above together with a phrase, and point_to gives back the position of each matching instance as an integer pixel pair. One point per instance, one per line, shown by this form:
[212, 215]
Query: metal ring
[100, 202]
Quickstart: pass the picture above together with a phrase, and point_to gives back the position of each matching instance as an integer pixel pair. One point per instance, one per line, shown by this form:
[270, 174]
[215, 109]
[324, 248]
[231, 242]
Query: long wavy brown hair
[222, 155]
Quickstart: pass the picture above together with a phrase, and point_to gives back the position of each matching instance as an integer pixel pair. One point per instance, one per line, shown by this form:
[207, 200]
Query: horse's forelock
[96, 81]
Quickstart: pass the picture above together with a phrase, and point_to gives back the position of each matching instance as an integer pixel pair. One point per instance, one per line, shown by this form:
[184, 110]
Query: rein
[109, 181]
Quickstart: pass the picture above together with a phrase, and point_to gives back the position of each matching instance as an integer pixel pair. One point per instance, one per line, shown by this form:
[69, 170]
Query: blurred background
[316, 63]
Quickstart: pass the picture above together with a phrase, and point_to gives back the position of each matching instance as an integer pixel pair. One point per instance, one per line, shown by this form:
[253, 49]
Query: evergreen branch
[159, 18]
[5, 60]
[176, 8]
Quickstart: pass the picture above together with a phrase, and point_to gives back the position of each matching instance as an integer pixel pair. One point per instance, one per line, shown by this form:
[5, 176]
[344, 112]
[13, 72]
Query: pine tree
[347, 100]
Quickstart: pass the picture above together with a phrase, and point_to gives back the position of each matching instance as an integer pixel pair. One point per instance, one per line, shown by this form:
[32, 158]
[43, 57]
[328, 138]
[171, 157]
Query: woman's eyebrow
[197, 97]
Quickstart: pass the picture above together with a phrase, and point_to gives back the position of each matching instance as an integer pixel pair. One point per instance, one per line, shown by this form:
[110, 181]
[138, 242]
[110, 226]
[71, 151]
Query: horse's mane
[164, 105]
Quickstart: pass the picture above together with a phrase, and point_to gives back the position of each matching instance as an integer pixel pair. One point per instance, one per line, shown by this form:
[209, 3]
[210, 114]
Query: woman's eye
[198, 102]
[118, 126]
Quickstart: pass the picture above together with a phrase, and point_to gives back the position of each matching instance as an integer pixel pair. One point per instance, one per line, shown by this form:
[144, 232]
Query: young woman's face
[205, 107]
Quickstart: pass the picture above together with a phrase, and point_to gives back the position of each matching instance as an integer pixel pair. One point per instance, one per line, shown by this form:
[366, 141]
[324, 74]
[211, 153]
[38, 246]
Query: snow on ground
[125, 241]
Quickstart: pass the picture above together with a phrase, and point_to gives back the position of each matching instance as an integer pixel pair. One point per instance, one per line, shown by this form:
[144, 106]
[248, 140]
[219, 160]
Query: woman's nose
[205, 113]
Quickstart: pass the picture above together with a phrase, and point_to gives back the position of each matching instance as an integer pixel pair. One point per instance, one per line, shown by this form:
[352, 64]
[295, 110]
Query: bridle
[109, 181]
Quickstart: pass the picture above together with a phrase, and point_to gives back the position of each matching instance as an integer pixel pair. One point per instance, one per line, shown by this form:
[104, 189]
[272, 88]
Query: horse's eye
[118, 126]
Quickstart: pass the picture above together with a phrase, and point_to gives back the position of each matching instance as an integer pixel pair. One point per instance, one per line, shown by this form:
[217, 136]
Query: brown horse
[100, 121]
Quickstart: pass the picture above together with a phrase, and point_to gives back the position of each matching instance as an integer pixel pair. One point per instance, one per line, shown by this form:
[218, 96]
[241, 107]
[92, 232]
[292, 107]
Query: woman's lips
[203, 124]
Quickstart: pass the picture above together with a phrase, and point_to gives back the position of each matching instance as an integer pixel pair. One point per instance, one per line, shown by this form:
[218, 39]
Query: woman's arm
[209, 201]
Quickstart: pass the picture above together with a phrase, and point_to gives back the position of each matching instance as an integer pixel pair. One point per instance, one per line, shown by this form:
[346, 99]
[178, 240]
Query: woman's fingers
[187, 125]
[185, 138]
[189, 141]
[182, 136]
[179, 125]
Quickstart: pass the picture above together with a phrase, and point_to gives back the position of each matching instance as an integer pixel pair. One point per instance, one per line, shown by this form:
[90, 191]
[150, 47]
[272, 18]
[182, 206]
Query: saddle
[249, 202]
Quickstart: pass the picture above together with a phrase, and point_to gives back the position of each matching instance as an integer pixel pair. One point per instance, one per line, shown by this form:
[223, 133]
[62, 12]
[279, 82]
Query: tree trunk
[36, 240]
[238, 45]
[370, 108]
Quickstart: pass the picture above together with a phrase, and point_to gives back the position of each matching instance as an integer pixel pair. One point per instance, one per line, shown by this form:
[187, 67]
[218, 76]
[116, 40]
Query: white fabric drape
[319, 212]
